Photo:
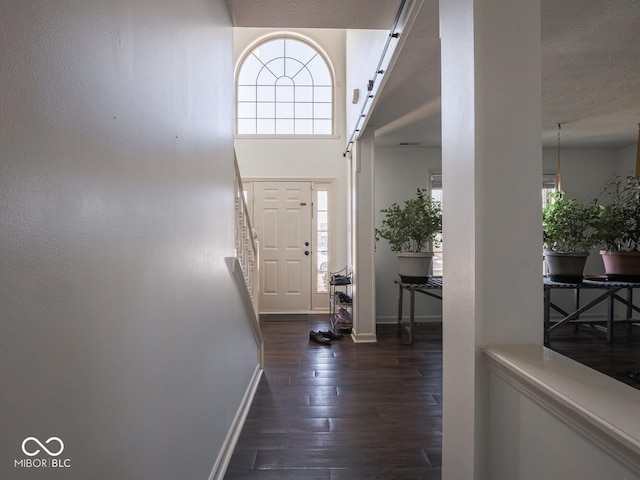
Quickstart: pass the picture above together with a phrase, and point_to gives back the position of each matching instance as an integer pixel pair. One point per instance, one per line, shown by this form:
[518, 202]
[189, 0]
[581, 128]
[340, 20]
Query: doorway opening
[292, 220]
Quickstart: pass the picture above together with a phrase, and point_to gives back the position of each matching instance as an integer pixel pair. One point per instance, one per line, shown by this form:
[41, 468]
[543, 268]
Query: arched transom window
[284, 87]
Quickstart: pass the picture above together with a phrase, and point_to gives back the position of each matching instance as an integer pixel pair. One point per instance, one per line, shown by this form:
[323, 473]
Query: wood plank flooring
[344, 411]
[371, 411]
[620, 360]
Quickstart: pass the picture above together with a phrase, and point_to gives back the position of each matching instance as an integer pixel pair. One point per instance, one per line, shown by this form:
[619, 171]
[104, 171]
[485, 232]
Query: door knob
[306, 244]
[306, 252]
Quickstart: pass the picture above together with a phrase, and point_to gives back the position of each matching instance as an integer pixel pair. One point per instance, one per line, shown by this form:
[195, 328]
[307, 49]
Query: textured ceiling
[590, 65]
[373, 14]
[591, 71]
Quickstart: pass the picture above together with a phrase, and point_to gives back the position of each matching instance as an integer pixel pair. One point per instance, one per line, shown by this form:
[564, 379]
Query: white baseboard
[387, 320]
[364, 337]
[224, 457]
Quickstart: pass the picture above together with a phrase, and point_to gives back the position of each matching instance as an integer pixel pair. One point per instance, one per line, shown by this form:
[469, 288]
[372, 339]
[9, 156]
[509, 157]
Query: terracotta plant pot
[415, 267]
[566, 267]
[621, 266]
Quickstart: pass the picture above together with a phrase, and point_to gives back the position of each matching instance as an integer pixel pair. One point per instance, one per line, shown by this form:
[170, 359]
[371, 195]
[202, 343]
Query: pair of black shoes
[324, 338]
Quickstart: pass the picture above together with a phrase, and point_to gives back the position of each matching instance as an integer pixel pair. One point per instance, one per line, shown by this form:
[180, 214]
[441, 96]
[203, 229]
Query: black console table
[609, 292]
[432, 288]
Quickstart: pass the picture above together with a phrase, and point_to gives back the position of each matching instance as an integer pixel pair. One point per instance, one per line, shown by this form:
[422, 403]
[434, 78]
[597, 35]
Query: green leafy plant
[410, 227]
[569, 225]
[618, 224]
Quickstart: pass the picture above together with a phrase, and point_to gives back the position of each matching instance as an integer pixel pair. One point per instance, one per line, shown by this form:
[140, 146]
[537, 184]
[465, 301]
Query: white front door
[282, 217]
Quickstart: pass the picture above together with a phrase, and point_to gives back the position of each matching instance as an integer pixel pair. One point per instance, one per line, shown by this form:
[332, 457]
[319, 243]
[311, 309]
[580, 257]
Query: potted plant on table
[618, 229]
[410, 230]
[569, 232]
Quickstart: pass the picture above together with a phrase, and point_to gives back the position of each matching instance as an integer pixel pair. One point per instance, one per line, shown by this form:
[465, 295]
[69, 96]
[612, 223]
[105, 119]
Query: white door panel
[269, 277]
[293, 285]
[269, 231]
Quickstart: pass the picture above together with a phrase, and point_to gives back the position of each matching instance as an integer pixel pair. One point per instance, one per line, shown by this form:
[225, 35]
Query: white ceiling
[590, 65]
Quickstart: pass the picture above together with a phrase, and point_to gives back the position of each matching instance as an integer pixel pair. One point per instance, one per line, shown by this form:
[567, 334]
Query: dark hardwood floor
[370, 411]
[344, 411]
[620, 360]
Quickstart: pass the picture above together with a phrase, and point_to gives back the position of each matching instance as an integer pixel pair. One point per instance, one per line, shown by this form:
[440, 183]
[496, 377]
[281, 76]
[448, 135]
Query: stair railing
[246, 243]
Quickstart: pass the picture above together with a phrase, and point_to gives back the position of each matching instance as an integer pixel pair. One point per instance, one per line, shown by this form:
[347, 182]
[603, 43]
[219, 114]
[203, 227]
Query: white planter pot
[415, 267]
[566, 267]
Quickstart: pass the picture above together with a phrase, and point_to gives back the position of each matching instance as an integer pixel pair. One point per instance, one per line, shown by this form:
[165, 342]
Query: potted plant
[569, 233]
[618, 229]
[410, 229]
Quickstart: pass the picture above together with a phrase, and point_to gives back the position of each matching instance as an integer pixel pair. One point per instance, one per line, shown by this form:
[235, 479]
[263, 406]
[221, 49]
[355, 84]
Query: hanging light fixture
[558, 176]
[638, 155]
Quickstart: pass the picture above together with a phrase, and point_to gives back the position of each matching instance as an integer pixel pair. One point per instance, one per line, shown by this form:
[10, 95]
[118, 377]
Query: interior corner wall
[305, 158]
[122, 331]
[626, 158]
[399, 172]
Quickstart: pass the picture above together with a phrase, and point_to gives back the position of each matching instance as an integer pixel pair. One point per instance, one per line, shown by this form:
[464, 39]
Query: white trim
[363, 337]
[599, 407]
[224, 457]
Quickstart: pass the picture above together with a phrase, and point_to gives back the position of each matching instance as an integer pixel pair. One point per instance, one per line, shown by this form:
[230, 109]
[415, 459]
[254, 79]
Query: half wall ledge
[602, 409]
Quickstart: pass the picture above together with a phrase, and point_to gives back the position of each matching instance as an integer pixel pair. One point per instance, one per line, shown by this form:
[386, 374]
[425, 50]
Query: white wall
[626, 160]
[364, 48]
[122, 331]
[583, 170]
[306, 158]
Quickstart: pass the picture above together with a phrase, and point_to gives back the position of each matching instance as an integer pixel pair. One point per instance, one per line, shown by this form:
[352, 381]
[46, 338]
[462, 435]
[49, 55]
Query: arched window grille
[284, 87]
